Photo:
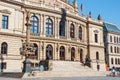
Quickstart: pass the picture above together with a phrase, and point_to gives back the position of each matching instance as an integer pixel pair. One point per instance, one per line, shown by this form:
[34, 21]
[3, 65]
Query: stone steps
[68, 69]
[69, 66]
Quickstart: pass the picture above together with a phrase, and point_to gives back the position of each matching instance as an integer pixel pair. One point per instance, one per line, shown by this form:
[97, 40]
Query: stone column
[55, 27]
[55, 51]
[67, 29]
[58, 21]
[40, 49]
[58, 49]
[41, 25]
[43, 54]
[43, 30]
[77, 32]
[27, 27]
[68, 25]
[76, 53]
[67, 53]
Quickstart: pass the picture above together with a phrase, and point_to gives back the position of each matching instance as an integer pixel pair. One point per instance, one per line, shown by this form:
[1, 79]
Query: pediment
[5, 11]
[96, 31]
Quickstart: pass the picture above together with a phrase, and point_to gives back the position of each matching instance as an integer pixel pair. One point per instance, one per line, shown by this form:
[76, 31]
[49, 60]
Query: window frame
[4, 48]
[5, 21]
[80, 32]
[49, 26]
[97, 55]
[72, 30]
[34, 20]
[96, 37]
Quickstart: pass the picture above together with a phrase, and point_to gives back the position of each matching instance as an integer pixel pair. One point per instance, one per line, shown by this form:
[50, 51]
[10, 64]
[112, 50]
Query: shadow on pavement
[11, 75]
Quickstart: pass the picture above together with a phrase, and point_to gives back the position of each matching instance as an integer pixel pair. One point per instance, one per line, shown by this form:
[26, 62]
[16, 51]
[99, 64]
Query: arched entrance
[72, 54]
[81, 55]
[62, 53]
[49, 52]
[36, 51]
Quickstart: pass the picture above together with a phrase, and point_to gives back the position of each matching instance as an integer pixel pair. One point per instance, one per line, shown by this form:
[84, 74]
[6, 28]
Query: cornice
[113, 32]
[94, 22]
[11, 34]
[42, 38]
[115, 54]
[45, 9]
[96, 46]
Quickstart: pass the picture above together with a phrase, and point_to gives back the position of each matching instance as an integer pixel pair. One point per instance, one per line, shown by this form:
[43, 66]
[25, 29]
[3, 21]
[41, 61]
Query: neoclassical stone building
[112, 45]
[57, 30]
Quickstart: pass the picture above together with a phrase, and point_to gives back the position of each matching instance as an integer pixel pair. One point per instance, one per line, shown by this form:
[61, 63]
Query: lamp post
[27, 46]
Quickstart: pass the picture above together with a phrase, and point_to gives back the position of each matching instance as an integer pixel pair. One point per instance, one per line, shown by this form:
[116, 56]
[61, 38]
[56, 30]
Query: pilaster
[55, 26]
[43, 25]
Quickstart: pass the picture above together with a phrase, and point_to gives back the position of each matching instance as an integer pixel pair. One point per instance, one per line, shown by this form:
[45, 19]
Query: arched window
[49, 52]
[4, 48]
[34, 24]
[80, 33]
[117, 40]
[36, 51]
[97, 56]
[96, 38]
[49, 26]
[62, 28]
[110, 38]
[114, 39]
[115, 49]
[81, 55]
[62, 53]
[72, 33]
[111, 49]
[112, 62]
[116, 61]
[72, 54]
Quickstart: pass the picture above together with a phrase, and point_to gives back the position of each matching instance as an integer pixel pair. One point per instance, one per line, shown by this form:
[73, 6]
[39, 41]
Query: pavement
[67, 78]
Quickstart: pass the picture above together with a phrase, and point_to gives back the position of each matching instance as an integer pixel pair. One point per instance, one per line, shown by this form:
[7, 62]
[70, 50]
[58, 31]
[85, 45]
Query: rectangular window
[4, 22]
[98, 67]
[96, 38]
[3, 65]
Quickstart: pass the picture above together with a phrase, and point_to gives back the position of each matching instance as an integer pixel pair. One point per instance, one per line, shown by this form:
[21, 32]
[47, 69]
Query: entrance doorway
[49, 52]
[72, 54]
[62, 53]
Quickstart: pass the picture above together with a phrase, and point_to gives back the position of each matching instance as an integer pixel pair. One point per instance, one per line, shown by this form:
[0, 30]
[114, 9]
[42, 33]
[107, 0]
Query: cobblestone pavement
[70, 78]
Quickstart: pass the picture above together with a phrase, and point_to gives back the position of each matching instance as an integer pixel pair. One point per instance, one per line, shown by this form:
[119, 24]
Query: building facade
[112, 45]
[57, 30]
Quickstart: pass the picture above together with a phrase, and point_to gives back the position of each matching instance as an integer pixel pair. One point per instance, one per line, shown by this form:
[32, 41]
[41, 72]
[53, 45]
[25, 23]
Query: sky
[108, 9]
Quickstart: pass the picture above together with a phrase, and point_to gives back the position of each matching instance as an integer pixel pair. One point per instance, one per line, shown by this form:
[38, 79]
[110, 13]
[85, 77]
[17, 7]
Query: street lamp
[27, 47]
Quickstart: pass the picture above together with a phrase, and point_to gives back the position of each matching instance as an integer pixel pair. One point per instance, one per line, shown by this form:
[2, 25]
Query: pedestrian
[113, 71]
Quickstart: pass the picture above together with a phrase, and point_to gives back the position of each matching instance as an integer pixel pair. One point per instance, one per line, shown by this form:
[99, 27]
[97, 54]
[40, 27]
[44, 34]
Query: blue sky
[108, 9]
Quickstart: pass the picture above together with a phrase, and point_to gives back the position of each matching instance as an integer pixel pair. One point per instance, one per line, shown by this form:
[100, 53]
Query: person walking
[113, 71]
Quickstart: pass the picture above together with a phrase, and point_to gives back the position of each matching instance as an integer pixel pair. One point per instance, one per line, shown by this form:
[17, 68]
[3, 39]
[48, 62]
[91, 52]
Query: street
[70, 78]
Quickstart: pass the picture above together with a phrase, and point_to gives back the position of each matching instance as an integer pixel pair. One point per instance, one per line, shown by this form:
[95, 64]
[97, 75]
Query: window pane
[4, 22]
[35, 19]
[34, 24]
[31, 29]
